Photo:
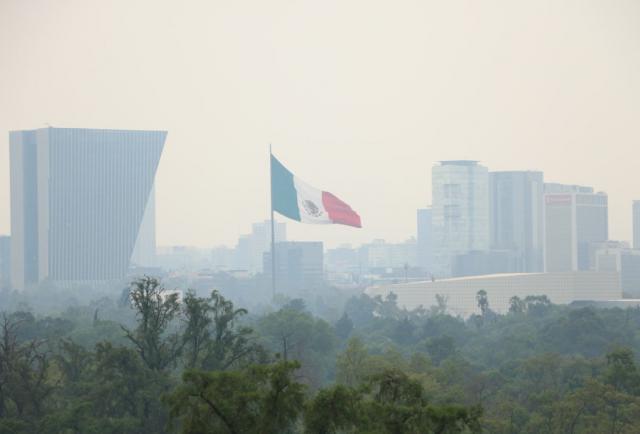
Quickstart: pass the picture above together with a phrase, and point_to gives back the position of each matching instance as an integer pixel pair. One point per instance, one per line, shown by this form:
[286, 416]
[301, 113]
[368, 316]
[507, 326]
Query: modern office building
[144, 251]
[460, 212]
[299, 266]
[5, 262]
[516, 226]
[575, 217]
[624, 261]
[78, 200]
[560, 288]
[425, 239]
[636, 224]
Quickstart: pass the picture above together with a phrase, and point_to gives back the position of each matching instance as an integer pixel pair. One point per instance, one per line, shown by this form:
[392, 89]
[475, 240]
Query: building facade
[78, 199]
[575, 218]
[299, 266]
[636, 224]
[560, 288]
[251, 247]
[425, 239]
[5, 262]
[624, 261]
[460, 211]
[516, 226]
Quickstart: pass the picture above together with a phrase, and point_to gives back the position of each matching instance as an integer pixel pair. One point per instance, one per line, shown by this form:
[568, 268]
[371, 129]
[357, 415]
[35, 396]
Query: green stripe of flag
[284, 197]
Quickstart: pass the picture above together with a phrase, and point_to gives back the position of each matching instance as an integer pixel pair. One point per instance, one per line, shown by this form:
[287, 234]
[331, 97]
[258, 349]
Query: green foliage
[258, 399]
[296, 335]
[390, 402]
[150, 363]
[212, 339]
[155, 309]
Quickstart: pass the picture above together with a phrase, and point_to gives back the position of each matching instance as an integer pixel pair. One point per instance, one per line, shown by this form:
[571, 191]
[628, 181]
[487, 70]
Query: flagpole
[273, 232]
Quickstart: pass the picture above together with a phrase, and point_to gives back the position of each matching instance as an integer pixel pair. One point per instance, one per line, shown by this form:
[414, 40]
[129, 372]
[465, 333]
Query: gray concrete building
[516, 226]
[78, 200]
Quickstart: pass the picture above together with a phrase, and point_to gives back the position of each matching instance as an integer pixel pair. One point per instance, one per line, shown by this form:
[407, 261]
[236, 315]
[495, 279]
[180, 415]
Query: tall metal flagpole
[273, 232]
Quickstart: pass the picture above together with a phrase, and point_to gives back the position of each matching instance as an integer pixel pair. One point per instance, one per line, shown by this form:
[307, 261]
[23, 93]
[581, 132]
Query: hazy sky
[359, 98]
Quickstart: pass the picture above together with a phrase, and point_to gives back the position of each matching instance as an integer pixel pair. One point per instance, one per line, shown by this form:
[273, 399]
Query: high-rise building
[78, 199]
[299, 266]
[425, 239]
[575, 217]
[5, 262]
[252, 247]
[636, 224]
[460, 211]
[515, 211]
[144, 251]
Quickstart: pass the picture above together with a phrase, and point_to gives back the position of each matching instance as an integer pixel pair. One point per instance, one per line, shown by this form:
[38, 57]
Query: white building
[560, 288]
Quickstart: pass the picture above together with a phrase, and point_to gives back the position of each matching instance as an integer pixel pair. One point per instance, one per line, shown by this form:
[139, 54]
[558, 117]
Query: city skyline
[451, 86]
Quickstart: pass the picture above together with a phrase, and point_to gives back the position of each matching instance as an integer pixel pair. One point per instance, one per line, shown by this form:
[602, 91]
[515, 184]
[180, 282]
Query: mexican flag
[294, 198]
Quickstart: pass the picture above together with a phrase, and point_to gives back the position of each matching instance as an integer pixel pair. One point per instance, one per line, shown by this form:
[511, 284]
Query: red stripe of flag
[339, 212]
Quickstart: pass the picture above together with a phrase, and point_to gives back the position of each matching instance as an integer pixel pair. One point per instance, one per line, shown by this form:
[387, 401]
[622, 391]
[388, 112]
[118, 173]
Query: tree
[155, 310]
[622, 372]
[296, 335]
[24, 388]
[483, 302]
[537, 305]
[334, 410]
[390, 403]
[440, 348]
[212, 339]
[350, 364]
[516, 305]
[441, 304]
[259, 399]
[344, 326]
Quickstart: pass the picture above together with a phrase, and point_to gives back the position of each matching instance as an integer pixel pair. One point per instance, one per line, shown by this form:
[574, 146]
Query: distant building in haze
[575, 217]
[425, 239]
[626, 262]
[5, 262]
[381, 254]
[516, 224]
[299, 266]
[460, 212]
[252, 247]
[636, 224]
[78, 201]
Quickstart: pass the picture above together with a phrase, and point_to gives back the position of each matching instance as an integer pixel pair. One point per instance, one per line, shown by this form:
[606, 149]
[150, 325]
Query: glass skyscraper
[515, 199]
[78, 198]
[460, 211]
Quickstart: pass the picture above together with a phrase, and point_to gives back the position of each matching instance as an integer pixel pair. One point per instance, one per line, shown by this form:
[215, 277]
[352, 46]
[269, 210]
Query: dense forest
[158, 361]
